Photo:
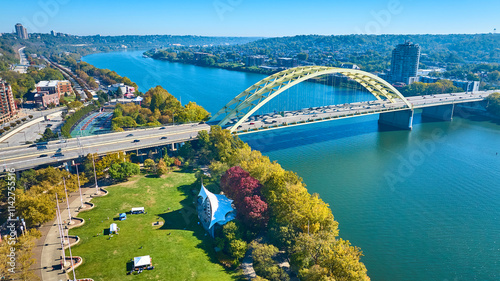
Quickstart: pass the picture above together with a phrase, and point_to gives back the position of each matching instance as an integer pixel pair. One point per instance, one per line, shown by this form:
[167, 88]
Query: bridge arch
[253, 98]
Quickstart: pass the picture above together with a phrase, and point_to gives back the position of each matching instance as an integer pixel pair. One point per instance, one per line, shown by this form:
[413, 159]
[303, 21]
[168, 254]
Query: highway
[28, 156]
[326, 113]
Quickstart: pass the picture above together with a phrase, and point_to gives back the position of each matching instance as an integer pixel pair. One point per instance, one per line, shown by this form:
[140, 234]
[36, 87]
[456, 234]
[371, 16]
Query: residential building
[255, 60]
[21, 31]
[127, 91]
[44, 99]
[200, 55]
[467, 86]
[60, 87]
[287, 62]
[404, 64]
[350, 66]
[7, 105]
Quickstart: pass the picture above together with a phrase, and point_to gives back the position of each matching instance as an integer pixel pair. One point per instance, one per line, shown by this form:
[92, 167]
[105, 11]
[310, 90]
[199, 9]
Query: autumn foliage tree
[238, 185]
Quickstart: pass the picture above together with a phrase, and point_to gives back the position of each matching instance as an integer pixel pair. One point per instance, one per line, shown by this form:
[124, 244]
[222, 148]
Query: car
[129, 135]
[42, 155]
[49, 125]
[58, 154]
[274, 121]
[41, 147]
[162, 128]
[163, 138]
[136, 141]
[252, 123]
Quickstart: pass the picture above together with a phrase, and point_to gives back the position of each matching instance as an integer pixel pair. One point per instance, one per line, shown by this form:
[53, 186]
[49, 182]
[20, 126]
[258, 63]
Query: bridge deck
[29, 156]
[327, 113]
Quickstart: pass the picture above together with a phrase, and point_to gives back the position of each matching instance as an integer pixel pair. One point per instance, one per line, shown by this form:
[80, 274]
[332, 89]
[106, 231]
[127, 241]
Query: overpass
[58, 152]
[238, 116]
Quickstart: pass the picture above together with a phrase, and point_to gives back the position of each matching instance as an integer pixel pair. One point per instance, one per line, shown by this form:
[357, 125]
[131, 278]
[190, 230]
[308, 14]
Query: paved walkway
[49, 257]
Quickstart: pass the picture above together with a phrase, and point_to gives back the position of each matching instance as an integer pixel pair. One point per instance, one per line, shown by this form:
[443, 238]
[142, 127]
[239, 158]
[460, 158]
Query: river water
[421, 204]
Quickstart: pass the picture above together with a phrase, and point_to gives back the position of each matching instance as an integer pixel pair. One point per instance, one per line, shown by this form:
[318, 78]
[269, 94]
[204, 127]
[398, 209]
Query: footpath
[48, 248]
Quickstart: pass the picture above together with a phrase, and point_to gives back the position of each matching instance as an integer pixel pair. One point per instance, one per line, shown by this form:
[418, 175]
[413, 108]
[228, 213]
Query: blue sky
[251, 17]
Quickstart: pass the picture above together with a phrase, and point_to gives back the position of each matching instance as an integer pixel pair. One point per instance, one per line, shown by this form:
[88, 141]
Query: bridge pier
[440, 112]
[399, 119]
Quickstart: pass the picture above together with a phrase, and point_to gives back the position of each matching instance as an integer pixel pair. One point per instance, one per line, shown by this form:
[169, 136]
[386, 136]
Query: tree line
[158, 107]
[274, 202]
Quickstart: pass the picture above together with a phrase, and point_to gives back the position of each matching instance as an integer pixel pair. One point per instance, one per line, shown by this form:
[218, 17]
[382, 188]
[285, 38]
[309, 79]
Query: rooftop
[51, 83]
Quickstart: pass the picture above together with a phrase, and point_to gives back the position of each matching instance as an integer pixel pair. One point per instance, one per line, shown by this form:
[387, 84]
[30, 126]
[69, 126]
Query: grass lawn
[180, 250]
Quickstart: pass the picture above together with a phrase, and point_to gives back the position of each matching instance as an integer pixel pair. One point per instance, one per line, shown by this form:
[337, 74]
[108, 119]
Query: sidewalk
[48, 251]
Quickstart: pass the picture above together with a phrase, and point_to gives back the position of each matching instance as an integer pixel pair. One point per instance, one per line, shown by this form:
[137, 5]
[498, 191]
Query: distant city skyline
[251, 18]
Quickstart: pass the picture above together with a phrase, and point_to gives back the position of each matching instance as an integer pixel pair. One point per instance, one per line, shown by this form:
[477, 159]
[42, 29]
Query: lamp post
[95, 176]
[61, 231]
[67, 201]
[79, 187]
[71, 259]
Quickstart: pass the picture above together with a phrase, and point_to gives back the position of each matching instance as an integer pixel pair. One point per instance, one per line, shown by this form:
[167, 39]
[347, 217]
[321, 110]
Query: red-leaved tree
[238, 185]
[254, 212]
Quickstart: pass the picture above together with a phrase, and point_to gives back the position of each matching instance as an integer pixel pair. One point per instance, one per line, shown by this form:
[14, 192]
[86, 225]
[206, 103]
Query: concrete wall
[441, 112]
[399, 119]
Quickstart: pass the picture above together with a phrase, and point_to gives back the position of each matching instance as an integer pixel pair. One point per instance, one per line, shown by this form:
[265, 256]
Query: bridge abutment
[399, 119]
[440, 112]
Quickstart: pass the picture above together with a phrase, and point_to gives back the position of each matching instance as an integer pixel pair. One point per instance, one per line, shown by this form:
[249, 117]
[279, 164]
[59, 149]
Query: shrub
[24, 119]
[18, 121]
[6, 128]
[31, 116]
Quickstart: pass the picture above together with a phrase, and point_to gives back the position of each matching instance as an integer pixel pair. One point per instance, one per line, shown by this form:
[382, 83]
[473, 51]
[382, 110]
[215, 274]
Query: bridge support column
[399, 119]
[440, 112]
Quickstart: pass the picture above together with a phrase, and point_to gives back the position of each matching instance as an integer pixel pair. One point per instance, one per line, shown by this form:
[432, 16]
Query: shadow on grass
[129, 266]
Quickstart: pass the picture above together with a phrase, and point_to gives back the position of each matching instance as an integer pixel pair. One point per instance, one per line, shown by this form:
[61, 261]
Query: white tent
[142, 261]
[113, 228]
[137, 210]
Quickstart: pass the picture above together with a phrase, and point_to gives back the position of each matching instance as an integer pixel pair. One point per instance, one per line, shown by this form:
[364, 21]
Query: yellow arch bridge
[393, 107]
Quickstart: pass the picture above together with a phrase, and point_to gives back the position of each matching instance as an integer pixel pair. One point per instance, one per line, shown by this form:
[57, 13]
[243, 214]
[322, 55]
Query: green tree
[494, 76]
[264, 264]
[193, 113]
[493, 106]
[302, 56]
[123, 171]
[150, 166]
[123, 122]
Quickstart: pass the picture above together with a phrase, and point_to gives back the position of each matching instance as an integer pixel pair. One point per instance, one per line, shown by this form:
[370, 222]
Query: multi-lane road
[325, 113]
[28, 156]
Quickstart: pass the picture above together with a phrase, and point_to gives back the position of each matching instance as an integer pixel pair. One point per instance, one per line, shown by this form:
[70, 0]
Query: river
[421, 204]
